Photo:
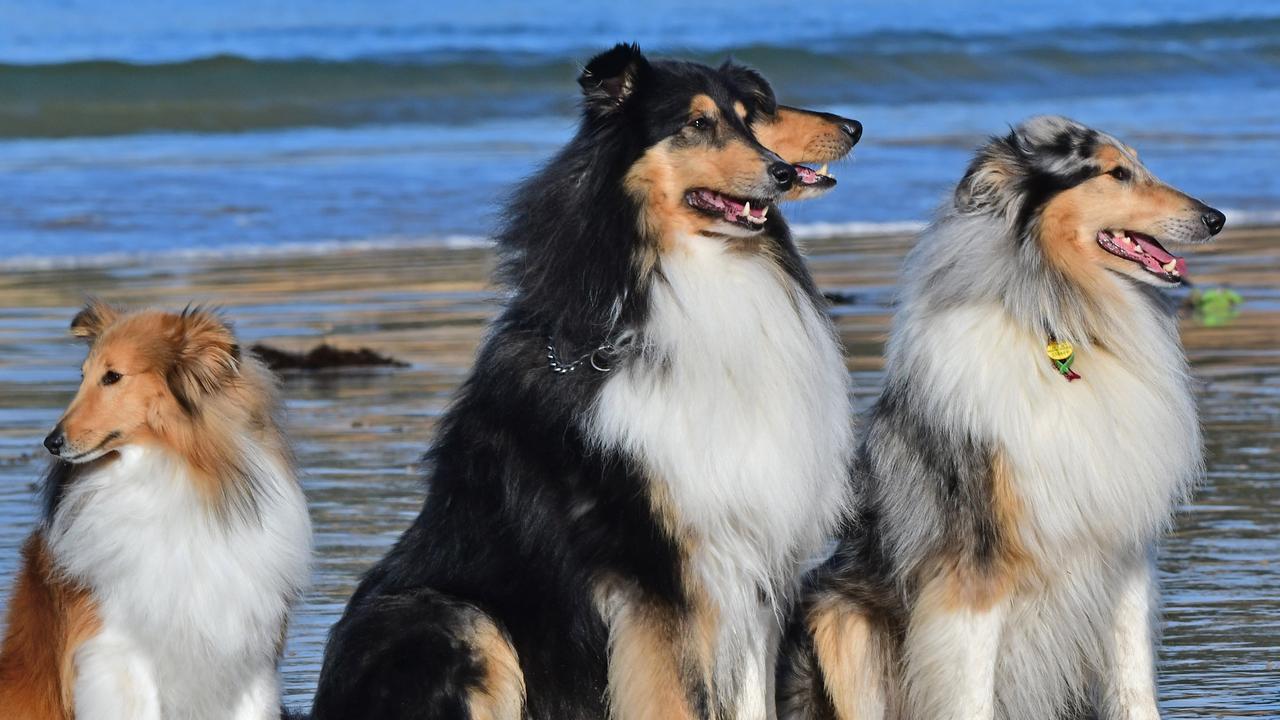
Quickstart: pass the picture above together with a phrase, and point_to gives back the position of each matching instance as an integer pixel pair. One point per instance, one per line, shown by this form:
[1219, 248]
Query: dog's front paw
[1133, 709]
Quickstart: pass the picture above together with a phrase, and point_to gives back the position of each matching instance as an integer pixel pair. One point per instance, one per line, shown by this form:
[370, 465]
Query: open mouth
[748, 213]
[822, 178]
[1145, 251]
[744, 213]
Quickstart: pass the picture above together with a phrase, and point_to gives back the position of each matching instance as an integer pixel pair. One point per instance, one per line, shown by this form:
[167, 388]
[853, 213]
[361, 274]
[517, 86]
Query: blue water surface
[142, 127]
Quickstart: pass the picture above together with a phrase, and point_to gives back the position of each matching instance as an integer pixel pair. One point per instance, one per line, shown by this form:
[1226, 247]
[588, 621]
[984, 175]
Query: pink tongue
[808, 176]
[1152, 249]
[731, 209]
[1156, 257]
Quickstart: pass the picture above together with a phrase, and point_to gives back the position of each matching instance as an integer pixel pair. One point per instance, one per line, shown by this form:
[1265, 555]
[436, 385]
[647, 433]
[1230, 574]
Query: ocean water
[143, 127]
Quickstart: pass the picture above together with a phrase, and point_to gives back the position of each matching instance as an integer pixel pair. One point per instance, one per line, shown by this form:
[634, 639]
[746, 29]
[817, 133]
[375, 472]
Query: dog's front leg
[260, 699]
[113, 681]
[653, 675]
[1128, 682]
[950, 653]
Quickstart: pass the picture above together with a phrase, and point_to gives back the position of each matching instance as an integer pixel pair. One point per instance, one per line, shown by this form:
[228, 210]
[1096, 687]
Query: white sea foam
[240, 252]
[803, 231]
[821, 230]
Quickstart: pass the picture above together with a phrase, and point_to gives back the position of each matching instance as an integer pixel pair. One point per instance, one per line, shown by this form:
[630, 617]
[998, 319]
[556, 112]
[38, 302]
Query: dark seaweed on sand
[323, 357]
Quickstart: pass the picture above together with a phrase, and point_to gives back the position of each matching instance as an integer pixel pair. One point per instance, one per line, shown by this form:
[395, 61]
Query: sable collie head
[712, 150]
[1087, 201]
[172, 380]
[803, 138]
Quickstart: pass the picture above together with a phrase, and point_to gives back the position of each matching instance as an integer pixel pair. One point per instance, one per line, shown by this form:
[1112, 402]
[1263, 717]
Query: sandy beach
[360, 433]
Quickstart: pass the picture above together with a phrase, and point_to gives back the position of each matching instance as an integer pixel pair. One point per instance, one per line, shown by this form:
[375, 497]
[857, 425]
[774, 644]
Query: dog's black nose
[54, 441]
[1213, 220]
[783, 173]
[853, 129]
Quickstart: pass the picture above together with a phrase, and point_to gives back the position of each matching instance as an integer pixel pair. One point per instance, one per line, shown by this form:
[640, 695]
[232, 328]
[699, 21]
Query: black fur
[54, 486]
[409, 643]
[523, 518]
[1037, 170]
[1038, 187]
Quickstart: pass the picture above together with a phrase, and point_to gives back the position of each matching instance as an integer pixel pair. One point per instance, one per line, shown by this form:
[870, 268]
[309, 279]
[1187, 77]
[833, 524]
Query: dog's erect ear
[89, 323]
[750, 83]
[611, 77]
[206, 356]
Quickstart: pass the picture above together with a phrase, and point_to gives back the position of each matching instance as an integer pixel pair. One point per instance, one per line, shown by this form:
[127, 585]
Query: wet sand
[360, 433]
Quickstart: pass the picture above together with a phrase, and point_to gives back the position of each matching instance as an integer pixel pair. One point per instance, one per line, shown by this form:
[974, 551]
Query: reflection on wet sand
[359, 433]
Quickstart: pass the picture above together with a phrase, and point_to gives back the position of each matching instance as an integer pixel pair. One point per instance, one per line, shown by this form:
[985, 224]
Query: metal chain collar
[600, 359]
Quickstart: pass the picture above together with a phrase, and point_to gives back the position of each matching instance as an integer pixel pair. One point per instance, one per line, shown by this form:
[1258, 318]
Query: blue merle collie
[654, 439]
[1036, 432]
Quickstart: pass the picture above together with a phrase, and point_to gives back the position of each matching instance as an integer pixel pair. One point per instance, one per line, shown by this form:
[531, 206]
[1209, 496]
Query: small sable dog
[654, 440]
[1000, 563]
[175, 535]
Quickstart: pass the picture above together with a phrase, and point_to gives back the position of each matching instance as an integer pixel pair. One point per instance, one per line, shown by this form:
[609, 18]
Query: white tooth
[1170, 266]
[822, 170]
[1137, 248]
[746, 210]
[764, 213]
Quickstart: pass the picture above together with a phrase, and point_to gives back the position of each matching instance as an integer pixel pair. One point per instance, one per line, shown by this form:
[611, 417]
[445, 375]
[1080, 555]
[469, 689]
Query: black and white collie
[1036, 432]
[653, 441]
[175, 537]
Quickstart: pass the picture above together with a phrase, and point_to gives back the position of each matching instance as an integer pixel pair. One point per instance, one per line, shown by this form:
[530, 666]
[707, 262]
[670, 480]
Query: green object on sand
[1215, 307]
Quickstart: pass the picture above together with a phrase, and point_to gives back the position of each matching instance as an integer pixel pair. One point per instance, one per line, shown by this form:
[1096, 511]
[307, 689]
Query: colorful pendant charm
[1062, 355]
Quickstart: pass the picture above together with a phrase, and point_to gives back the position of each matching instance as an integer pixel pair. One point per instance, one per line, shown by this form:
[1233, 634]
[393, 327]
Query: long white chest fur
[1104, 458]
[738, 407]
[193, 605]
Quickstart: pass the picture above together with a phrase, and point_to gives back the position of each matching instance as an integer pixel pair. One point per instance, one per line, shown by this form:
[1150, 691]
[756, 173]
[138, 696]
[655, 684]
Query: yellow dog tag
[1059, 350]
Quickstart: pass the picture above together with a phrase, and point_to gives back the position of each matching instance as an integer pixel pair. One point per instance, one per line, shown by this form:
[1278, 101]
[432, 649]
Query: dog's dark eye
[701, 123]
[110, 377]
[1121, 174]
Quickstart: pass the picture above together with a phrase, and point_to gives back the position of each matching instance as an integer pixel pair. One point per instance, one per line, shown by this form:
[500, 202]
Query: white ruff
[1100, 460]
[1099, 465]
[193, 605]
[738, 408]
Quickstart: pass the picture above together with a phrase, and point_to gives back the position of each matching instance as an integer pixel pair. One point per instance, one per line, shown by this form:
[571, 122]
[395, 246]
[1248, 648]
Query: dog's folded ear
[986, 183]
[752, 84]
[89, 323]
[206, 356]
[611, 77]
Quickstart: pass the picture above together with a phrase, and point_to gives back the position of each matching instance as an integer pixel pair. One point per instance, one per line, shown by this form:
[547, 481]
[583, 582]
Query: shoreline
[328, 284]
[804, 233]
[860, 271]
